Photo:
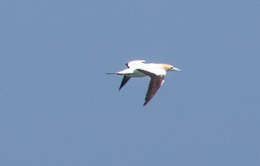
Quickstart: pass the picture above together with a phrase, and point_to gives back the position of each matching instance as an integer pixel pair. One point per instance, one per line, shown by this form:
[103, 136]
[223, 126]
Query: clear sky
[58, 108]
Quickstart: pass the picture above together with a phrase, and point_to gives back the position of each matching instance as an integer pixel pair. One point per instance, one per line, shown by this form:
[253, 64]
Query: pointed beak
[175, 69]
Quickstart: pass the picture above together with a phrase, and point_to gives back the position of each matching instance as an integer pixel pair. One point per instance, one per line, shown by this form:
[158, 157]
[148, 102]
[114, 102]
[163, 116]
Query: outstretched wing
[124, 81]
[133, 62]
[155, 83]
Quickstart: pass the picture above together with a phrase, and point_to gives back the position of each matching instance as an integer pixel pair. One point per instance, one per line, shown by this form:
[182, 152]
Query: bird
[138, 68]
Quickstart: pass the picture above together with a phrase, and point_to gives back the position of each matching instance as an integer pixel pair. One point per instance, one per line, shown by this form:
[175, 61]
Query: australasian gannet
[138, 68]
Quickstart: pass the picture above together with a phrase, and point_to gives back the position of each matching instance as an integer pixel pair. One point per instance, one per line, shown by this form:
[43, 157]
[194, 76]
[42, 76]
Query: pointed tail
[112, 73]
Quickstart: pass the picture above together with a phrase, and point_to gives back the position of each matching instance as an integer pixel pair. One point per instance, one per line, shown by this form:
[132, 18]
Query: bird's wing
[124, 81]
[130, 63]
[155, 83]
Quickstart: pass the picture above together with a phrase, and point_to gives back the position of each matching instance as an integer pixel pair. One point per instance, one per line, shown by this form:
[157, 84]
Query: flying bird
[138, 68]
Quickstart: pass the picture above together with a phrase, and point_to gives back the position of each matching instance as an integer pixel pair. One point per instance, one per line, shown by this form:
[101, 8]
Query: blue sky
[57, 107]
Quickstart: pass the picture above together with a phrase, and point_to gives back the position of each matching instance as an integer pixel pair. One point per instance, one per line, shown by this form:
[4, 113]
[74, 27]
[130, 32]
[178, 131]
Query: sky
[59, 108]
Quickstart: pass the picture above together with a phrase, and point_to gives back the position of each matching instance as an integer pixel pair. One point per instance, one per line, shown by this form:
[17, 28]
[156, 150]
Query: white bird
[138, 68]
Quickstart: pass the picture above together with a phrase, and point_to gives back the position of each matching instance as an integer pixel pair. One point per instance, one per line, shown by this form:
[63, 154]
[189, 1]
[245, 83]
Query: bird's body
[138, 68]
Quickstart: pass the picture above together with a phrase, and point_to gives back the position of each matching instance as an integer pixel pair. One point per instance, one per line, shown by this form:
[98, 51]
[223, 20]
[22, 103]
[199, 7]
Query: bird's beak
[175, 69]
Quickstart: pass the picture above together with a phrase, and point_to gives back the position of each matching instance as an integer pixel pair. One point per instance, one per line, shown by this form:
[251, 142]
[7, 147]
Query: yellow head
[168, 67]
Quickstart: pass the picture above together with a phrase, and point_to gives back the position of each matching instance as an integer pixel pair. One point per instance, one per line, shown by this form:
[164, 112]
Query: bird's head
[169, 67]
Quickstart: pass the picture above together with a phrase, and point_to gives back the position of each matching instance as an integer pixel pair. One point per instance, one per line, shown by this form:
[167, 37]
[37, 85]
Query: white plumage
[138, 68]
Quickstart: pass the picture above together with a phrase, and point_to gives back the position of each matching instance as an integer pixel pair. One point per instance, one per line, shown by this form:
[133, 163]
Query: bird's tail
[112, 73]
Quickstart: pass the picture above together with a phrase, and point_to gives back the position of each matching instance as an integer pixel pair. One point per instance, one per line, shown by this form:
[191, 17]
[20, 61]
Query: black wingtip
[145, 103]
[121, 86]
